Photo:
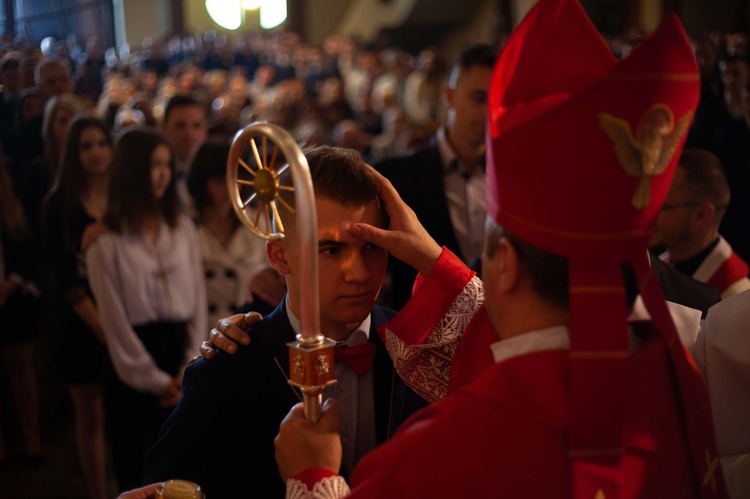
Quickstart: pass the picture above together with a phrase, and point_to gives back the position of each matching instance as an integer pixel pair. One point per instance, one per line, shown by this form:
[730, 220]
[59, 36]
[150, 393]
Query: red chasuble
[503, 435]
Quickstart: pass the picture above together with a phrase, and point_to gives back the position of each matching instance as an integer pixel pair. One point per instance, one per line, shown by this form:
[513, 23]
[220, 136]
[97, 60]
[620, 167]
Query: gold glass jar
[179, 489]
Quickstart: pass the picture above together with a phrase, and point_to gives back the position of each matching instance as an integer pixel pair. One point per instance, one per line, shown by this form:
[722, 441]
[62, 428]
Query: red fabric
[313, 475]
[612, 132]
[358, 358]
[473, 355]
[598, 373]
[504, 435]
[732, 270]
[687, 402]
[551, 84]
[432, 297]
[690, 386]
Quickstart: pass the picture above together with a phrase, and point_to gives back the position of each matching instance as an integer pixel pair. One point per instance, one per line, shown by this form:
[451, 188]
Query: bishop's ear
[509, 265]
[278, 256]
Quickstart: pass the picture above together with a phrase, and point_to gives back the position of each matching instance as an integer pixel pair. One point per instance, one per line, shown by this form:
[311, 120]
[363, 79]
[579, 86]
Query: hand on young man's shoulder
[229, 334]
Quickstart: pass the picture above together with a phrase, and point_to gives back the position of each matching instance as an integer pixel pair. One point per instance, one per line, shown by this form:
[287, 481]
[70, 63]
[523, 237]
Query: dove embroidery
[650, 151]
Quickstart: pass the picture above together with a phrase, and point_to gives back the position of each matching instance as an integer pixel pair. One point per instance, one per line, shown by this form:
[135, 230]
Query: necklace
[162, 273]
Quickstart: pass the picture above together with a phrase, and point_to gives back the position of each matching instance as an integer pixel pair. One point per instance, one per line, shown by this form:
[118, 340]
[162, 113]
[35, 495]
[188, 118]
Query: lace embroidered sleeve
[331, 487]
[426, 366]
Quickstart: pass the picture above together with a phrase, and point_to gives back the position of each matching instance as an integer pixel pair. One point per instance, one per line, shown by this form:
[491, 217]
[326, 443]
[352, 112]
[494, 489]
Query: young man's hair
[548, 272]
[338, 174]
[704, 179]
[131, 199]
[481, 55]
[180, 101]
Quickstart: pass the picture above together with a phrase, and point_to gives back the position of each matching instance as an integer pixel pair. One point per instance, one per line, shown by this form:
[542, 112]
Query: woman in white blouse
[147, 278]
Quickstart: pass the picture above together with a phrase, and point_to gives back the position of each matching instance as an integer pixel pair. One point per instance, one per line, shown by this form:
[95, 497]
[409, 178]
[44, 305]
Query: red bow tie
[358, 358]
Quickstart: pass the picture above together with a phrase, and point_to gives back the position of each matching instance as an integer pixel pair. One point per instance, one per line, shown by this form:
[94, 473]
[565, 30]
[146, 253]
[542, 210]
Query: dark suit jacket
[683, 289]
[418, 178]
[233, 405]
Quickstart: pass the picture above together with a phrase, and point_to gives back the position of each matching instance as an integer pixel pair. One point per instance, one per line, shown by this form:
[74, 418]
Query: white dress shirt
[466, 196]
[138, 282]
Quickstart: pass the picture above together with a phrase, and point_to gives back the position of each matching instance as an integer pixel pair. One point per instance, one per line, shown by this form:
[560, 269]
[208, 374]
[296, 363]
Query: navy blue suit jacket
[233, 405]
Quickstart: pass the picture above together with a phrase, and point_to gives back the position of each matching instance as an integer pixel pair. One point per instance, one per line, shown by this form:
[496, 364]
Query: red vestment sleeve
[432, 297]
[312, 476]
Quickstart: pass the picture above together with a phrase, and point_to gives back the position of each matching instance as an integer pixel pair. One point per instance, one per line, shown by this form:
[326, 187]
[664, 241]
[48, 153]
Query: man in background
[688, 225]
[185, 125]
[444, 183]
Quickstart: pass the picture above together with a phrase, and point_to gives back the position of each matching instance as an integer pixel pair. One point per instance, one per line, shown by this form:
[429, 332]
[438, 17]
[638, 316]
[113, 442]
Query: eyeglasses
[689, 204]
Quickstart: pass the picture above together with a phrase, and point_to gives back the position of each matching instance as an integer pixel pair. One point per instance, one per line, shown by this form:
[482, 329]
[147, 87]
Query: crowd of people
[113, 177]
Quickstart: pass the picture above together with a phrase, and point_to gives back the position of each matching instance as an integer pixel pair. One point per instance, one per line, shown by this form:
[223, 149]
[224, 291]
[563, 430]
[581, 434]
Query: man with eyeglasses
[688, 225]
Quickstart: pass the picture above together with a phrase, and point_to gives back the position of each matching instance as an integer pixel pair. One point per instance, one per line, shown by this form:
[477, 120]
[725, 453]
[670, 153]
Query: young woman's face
[161, 173]
[60, 125]
[218, 193]
[94, 151]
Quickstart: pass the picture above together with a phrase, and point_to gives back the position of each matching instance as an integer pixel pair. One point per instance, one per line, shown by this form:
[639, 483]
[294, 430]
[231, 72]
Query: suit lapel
[278, 332]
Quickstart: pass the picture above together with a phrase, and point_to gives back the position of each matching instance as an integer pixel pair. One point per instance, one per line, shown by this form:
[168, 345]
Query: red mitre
[581, 152]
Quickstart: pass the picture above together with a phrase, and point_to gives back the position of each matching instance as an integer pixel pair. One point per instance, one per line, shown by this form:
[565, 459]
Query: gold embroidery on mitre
[648, 153]
[599, 494]
[711, 465]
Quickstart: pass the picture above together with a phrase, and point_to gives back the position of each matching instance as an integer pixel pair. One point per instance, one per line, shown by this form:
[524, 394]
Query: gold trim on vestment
[653, 76]
[580, 235]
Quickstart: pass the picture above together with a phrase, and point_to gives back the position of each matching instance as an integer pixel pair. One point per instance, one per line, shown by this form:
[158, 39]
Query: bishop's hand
[406, 238]
[302, 445]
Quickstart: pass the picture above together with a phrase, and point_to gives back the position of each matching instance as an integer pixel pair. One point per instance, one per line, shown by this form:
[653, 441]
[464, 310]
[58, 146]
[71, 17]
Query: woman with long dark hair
[147, 278]
[72, 214]
[231, 254]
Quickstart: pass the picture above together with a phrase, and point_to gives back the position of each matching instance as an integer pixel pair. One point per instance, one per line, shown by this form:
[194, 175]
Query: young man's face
[350, 270]
[467, 104]
[186, 128]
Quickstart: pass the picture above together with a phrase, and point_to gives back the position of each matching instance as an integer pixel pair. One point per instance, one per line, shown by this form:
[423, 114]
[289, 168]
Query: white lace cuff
[426, 367]
[331, 487]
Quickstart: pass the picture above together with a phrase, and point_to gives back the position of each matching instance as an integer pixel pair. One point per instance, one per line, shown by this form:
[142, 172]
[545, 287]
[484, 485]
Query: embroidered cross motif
[648, 153]
[711, 465]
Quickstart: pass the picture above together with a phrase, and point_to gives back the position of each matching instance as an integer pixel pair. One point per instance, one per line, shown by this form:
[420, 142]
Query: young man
[688, 225]
[251, 386]
[444, 183]
[186, 127]
[561, 406]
